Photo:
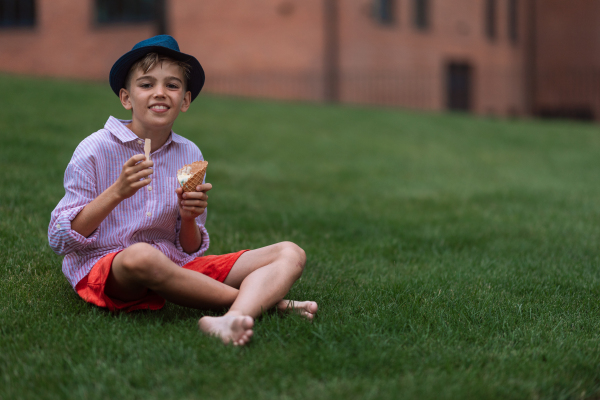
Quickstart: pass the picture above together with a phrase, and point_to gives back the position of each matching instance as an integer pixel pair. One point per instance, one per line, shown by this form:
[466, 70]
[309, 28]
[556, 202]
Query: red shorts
[91, 288]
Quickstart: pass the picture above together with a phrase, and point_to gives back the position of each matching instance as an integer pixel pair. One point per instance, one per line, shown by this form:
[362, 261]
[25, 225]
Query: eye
[145, 85]
[173, 86]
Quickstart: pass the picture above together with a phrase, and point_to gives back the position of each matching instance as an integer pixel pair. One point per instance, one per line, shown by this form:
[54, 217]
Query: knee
[140, 261]
[294, 255]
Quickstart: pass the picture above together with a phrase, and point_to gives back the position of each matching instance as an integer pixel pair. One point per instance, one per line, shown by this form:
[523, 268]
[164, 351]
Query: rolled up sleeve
[80, 190]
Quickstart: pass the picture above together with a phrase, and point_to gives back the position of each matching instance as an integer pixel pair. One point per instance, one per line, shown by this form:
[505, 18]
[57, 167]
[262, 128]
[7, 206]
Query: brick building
[501, 57]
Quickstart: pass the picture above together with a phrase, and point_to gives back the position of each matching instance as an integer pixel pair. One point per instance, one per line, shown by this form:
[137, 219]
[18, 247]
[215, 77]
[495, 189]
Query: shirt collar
[120, 131]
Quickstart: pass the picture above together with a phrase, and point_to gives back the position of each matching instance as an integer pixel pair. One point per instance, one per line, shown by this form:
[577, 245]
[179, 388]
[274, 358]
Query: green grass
[452, 257]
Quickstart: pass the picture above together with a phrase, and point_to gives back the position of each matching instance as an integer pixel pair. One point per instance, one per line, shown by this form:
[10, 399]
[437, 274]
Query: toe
[248, 323]
[243, 340]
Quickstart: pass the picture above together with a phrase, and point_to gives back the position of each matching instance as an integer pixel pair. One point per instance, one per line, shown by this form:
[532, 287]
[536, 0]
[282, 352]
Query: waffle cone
[198, 169]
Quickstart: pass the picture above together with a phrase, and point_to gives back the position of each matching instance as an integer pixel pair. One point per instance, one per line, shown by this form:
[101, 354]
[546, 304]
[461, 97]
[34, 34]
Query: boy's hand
[133, 171]
[193, 204]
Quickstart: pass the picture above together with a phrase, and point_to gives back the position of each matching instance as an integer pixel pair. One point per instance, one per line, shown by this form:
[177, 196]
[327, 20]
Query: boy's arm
[192, 205]
[80, 190]
[190, 237]
[129, 182]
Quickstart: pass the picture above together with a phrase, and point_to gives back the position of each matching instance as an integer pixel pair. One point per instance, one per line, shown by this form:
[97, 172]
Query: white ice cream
[184, 175]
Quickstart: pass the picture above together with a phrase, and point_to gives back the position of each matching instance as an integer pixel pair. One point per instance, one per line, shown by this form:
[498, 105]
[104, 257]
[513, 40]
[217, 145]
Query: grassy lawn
[452, 257]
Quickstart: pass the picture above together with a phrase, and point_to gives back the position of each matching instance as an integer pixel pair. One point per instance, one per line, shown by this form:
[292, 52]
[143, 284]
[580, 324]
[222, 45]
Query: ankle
[234, 313]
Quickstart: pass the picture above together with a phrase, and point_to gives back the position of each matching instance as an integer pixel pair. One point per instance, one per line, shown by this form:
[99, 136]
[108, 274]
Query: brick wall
[276, 48]
[269, 48]
[568, 57]
[412, 63]
[66, 42]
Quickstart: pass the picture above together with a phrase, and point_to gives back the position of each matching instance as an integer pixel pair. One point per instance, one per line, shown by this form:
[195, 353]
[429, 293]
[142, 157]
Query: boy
[132, 238]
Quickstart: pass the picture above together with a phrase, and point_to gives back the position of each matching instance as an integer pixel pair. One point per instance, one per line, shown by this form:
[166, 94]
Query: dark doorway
[458, 86]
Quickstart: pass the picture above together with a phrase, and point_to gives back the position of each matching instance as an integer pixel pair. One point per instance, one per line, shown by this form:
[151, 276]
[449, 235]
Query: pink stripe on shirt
[151, 215]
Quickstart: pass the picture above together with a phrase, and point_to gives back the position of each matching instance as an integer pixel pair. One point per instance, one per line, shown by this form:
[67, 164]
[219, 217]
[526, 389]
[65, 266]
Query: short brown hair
[148, 62]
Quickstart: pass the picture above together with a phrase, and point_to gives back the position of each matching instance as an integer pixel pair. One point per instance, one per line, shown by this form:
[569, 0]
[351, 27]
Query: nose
[159, 91]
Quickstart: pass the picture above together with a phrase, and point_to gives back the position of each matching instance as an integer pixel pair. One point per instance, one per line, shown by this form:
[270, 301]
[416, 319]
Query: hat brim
[120, 69]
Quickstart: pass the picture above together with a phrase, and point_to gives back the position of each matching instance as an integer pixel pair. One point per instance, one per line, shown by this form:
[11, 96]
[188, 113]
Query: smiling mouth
[159, 108]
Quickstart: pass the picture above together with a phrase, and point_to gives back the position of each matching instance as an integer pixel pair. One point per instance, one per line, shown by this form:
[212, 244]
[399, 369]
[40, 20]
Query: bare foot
[236, 329]
[307, 309]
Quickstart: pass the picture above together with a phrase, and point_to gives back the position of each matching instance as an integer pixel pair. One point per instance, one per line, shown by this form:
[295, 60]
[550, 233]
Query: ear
[125, 99]
[187, 100]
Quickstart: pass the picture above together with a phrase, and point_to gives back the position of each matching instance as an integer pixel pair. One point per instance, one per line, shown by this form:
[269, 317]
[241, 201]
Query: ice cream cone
[192, 175]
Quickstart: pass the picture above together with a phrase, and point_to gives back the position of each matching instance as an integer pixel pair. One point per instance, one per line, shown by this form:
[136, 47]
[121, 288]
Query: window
[421, 9]
[384, 11]
[513, 21]
[490, 19]
[17, 13]
[115, 11]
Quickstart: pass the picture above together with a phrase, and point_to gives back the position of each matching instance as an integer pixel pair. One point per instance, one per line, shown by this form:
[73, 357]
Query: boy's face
[157, 96]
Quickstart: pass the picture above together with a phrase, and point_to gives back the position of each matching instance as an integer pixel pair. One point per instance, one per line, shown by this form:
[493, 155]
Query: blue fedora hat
[161, 44]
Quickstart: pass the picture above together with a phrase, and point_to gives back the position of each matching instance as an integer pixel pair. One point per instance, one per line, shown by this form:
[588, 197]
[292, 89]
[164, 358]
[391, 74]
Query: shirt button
[149, 214]
[139, 142]
[149, 187]
[57, 226]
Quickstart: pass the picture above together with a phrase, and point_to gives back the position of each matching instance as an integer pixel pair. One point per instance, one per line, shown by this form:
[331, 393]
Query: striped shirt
[151, 215]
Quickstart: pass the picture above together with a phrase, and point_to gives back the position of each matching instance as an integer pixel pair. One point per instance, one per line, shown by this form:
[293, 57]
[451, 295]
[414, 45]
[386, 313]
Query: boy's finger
[195, 210]
[136, 168]
[140, 184]
[195, 195]
[134, 160]
[139, 167]
[205, 187]
[142, 165]
[194, 203]
[139, 175]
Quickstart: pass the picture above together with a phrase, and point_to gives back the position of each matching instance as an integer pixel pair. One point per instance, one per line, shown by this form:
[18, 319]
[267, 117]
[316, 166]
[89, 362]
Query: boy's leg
[141, 267]
[264, 276]
[267, 275]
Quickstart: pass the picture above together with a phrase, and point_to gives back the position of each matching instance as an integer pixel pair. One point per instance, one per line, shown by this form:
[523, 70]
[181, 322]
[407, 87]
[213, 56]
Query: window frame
[513, 21]
[124, 19]
[384, 12]
[491, 19]
[30, 22]
[422, 14]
